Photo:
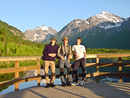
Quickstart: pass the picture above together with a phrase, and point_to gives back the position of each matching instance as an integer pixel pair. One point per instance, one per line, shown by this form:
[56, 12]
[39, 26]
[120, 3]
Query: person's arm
[85, 54]
[59, 53]
[70, 53]
[76, 55]
[45, 53]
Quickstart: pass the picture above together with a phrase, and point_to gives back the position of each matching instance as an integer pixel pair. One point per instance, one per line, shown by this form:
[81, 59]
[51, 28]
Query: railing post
[38, 71]
[16, 75]
[97, 68]
[120, 71]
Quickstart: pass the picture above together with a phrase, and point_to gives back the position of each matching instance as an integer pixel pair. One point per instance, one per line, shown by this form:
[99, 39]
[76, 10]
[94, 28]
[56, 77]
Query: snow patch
[77, 22]
[42, 28]
[118, 24]
[104, 12]
[87, 22]
[109, 17]
[35, 36]
[110, 26]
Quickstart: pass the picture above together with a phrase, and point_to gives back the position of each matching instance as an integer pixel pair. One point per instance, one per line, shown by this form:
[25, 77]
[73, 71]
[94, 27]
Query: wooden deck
[89, 90]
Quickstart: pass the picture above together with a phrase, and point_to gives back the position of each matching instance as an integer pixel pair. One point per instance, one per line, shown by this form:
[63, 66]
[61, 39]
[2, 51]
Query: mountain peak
[104, 12]
[43, 27]
[39, 34]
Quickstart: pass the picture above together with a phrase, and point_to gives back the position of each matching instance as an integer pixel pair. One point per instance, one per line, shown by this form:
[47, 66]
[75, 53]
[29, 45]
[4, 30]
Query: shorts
[64, 62]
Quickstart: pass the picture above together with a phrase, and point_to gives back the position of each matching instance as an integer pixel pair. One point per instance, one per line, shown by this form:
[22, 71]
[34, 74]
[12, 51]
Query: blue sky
[28, 14]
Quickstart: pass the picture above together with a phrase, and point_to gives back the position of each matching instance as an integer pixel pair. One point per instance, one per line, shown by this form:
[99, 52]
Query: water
[26, 85]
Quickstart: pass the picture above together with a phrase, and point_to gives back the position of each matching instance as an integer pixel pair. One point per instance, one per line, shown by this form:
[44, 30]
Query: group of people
[64, 53]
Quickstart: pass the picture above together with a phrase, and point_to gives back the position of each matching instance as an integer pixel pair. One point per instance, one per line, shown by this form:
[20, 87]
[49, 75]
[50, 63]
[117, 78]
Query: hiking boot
[68, 84]
[48, 85]
[63, 84]
[52, 85]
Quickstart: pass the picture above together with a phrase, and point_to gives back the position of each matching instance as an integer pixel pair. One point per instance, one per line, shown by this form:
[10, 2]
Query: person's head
[53, 40]
[65, 40]
[78, 41]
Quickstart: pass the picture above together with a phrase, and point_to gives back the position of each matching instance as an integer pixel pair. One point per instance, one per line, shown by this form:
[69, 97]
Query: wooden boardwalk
[89, 90]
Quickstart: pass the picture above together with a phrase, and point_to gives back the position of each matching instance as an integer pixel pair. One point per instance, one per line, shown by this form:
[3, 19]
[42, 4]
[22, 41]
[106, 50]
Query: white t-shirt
[79, 50]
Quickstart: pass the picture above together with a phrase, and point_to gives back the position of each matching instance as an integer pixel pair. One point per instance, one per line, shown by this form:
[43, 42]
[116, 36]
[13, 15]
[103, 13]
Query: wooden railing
[120, 74]
[18, 69]
[37, 67]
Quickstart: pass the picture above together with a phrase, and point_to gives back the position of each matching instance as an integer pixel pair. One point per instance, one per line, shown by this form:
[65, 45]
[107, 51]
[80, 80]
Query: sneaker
[48, 85]
[82, 83]
[74, 83]
[63, 84]
[52, 85]
[68, 84]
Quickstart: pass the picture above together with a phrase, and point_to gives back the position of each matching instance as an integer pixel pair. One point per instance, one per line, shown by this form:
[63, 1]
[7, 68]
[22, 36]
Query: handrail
[19, 58]
[37, 67]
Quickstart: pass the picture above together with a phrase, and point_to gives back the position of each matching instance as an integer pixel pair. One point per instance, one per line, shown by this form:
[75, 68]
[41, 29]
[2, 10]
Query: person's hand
[69, 57]
[85, 55]
[62, 58]
[52, 54]
[77, 56]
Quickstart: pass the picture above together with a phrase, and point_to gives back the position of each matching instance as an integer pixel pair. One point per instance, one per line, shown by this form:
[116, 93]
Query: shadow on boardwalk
[89, 90]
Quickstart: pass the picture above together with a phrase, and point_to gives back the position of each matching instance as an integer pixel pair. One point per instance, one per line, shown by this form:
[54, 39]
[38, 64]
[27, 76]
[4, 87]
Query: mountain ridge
[39, 34]
[98, 31]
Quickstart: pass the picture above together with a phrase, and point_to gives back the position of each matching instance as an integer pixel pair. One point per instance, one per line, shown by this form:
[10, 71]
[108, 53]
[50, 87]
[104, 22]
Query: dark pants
[79, 62]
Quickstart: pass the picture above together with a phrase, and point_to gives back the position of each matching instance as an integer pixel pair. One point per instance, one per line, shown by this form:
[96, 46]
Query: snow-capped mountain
[39, 34]
[104, 20]
[104, 30]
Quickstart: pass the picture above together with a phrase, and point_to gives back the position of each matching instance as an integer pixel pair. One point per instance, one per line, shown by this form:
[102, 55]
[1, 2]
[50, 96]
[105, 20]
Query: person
[49, 55]
[80, 56]
[64, 52]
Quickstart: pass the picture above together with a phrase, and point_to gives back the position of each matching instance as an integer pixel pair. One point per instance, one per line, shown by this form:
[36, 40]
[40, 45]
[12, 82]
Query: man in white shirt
[80, 54]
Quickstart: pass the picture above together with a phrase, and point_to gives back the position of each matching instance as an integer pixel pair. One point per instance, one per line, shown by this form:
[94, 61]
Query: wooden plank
[16, 75]
[92, 74]
[113, 55]
[114, 74]
[106, 64]
[91, 56]
[26, 58]
[97, 69]
[11, 70]
[5, 59]
[113, 64]
[38, 70]
[91, 64]
[120, 70]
